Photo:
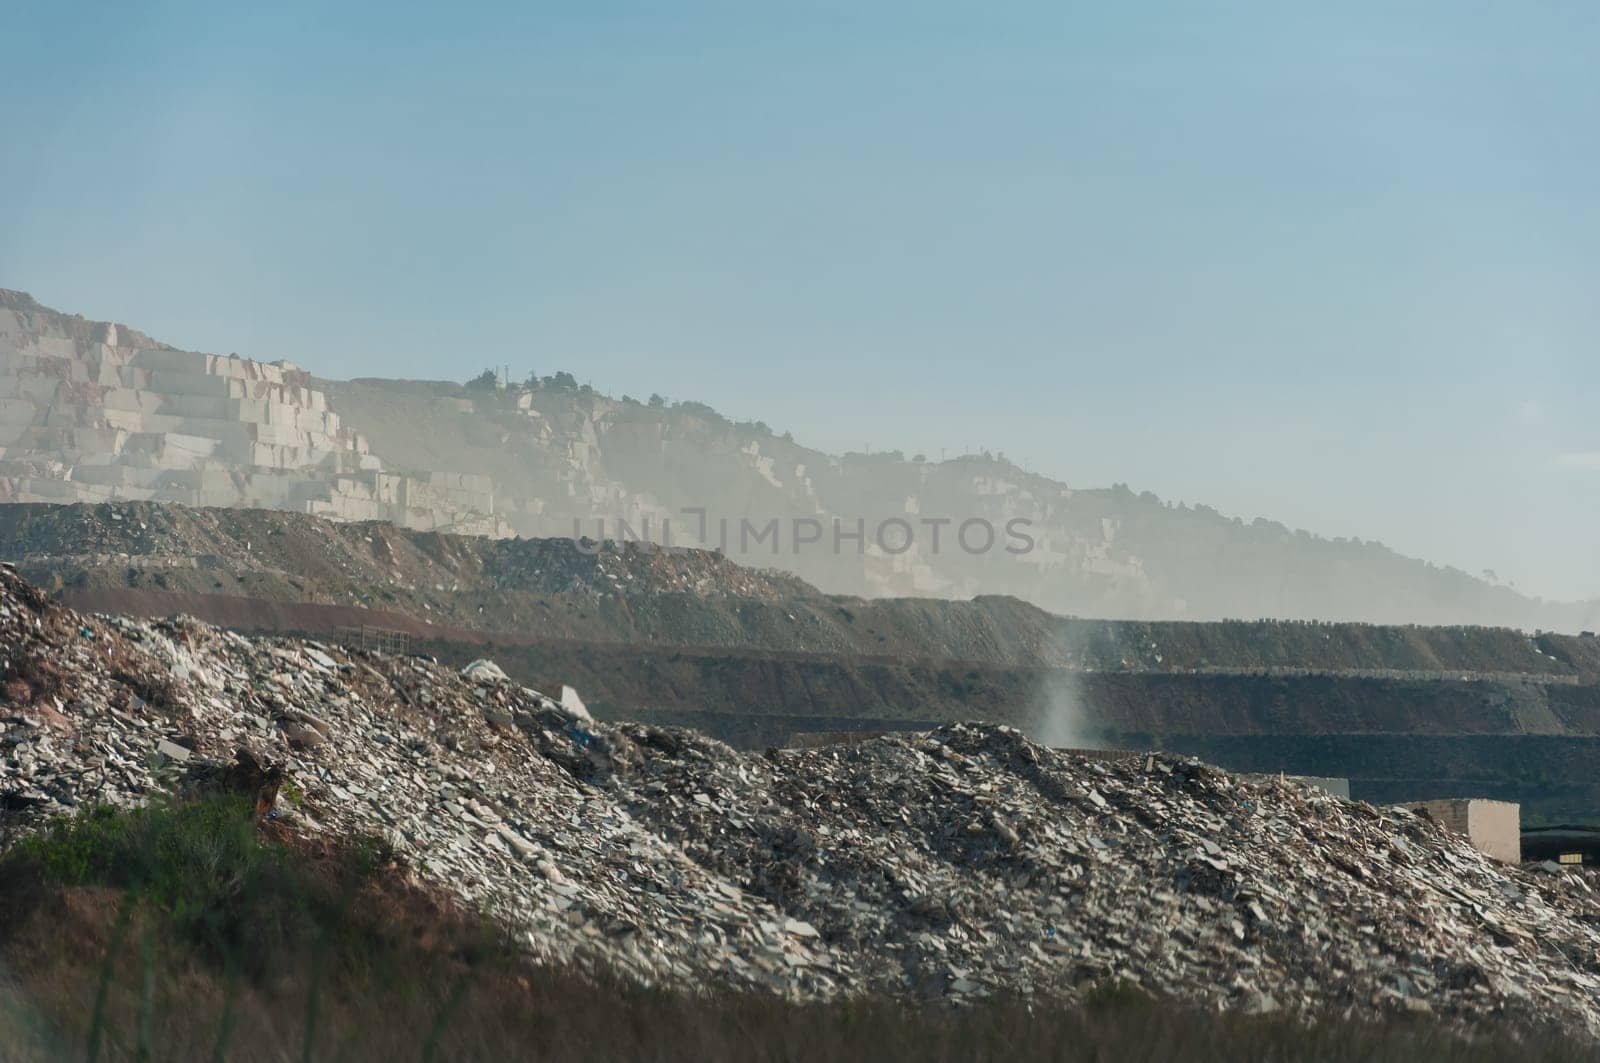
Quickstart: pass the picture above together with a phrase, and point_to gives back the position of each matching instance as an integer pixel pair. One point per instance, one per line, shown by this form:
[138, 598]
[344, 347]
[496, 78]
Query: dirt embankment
[552, 589]
[751, 679]
[242, 614]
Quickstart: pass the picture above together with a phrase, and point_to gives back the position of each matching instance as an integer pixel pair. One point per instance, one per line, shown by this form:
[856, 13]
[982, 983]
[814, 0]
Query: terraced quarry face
[755, 657]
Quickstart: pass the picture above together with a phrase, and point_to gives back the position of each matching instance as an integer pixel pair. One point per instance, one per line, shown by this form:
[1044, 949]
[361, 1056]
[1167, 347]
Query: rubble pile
[952, 864]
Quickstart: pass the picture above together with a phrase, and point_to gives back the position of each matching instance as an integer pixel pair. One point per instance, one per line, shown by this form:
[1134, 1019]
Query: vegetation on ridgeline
[187, 931]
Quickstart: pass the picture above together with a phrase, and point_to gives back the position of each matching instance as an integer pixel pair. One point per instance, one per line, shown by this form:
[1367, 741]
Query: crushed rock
[952, 864]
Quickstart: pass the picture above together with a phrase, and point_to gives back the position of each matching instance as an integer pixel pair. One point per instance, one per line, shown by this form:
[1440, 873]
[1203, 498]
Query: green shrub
[201, 866]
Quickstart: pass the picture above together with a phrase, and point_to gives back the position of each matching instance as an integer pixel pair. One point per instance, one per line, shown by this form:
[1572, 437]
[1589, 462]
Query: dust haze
[1063, 719]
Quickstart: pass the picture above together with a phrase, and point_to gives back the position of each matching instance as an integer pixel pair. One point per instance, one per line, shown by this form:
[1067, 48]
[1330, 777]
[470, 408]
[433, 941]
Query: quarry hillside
[93, 411]
[946, 865]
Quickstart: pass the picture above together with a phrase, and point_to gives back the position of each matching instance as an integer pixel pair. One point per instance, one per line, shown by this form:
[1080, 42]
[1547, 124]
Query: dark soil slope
[557, 589]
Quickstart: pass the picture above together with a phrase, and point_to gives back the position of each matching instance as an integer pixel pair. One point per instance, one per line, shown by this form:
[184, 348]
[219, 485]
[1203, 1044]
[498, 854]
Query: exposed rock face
[91, 411]
[954, 863]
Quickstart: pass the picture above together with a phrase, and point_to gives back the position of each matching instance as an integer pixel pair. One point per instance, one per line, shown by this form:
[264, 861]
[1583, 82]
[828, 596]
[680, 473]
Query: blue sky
[1335, 265]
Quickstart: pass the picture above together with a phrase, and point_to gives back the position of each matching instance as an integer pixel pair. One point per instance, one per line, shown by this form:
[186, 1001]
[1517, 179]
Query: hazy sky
[1333, 264]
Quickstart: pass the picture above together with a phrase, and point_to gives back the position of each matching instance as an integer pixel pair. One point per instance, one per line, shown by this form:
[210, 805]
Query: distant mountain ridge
[551, 458]
[563, 457]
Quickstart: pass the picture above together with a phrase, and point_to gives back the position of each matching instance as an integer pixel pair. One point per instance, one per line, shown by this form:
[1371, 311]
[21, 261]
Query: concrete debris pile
[951, 864]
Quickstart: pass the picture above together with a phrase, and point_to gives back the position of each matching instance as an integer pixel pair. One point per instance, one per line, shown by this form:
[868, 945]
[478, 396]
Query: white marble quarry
[92, 411]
